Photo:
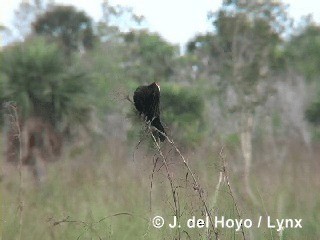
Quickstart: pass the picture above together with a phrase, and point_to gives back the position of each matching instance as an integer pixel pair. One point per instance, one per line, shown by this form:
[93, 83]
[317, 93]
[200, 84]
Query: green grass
[108, 197]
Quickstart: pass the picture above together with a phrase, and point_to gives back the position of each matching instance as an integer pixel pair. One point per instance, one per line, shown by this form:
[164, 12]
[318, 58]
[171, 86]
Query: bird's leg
[147, 121]
[153, 119]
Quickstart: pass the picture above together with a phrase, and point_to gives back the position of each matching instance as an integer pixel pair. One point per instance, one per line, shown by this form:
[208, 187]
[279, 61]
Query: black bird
[146, 100]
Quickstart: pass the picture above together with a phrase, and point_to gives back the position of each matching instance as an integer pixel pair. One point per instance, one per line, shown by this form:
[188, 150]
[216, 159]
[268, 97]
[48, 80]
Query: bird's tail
[157, 124]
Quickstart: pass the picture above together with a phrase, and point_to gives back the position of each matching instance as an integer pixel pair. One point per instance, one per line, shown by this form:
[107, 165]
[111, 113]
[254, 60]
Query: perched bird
[146, 100]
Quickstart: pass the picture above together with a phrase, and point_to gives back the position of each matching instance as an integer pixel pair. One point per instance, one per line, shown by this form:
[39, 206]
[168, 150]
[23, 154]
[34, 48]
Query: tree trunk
[246, 147]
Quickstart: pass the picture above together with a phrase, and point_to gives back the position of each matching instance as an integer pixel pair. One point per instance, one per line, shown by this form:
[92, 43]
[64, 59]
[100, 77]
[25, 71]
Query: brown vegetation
[40, 144]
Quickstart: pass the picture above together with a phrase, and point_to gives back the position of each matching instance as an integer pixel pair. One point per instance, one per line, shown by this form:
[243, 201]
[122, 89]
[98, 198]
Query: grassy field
[114, 193]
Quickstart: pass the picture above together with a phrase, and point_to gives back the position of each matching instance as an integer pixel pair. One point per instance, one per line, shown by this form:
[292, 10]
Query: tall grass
[108, 195]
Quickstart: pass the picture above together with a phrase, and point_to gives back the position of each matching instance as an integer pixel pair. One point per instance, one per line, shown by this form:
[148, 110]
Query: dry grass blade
[223, 159]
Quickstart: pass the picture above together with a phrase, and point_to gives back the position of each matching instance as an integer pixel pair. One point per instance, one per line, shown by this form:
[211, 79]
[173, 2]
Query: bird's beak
[158, 86]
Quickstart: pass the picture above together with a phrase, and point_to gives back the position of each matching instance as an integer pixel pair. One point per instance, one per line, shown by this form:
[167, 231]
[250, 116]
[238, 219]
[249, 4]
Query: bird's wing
[139, 99]
[155, 104]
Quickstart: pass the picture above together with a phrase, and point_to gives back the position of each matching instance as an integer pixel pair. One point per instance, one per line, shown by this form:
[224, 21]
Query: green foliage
[303, 51]
[71, 27]
[232, 141]
[205, 42]
[246, 41]
[150, 58]
[316, 134]
[38, 79]
[313, 113]
[183, 111]
[103, 64]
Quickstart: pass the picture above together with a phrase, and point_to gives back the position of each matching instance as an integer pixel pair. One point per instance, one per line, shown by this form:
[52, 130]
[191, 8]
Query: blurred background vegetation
[252, 85]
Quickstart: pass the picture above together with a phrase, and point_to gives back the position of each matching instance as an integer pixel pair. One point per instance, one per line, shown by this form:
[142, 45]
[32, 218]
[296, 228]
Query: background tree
[303, 51]
[37, 78]
[72, 28]
[302, 54]
[239, 57]
[149, 58]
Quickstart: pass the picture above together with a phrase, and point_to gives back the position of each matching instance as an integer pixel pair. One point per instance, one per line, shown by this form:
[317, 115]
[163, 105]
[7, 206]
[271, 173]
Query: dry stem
[222, 157]
[197, 186]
